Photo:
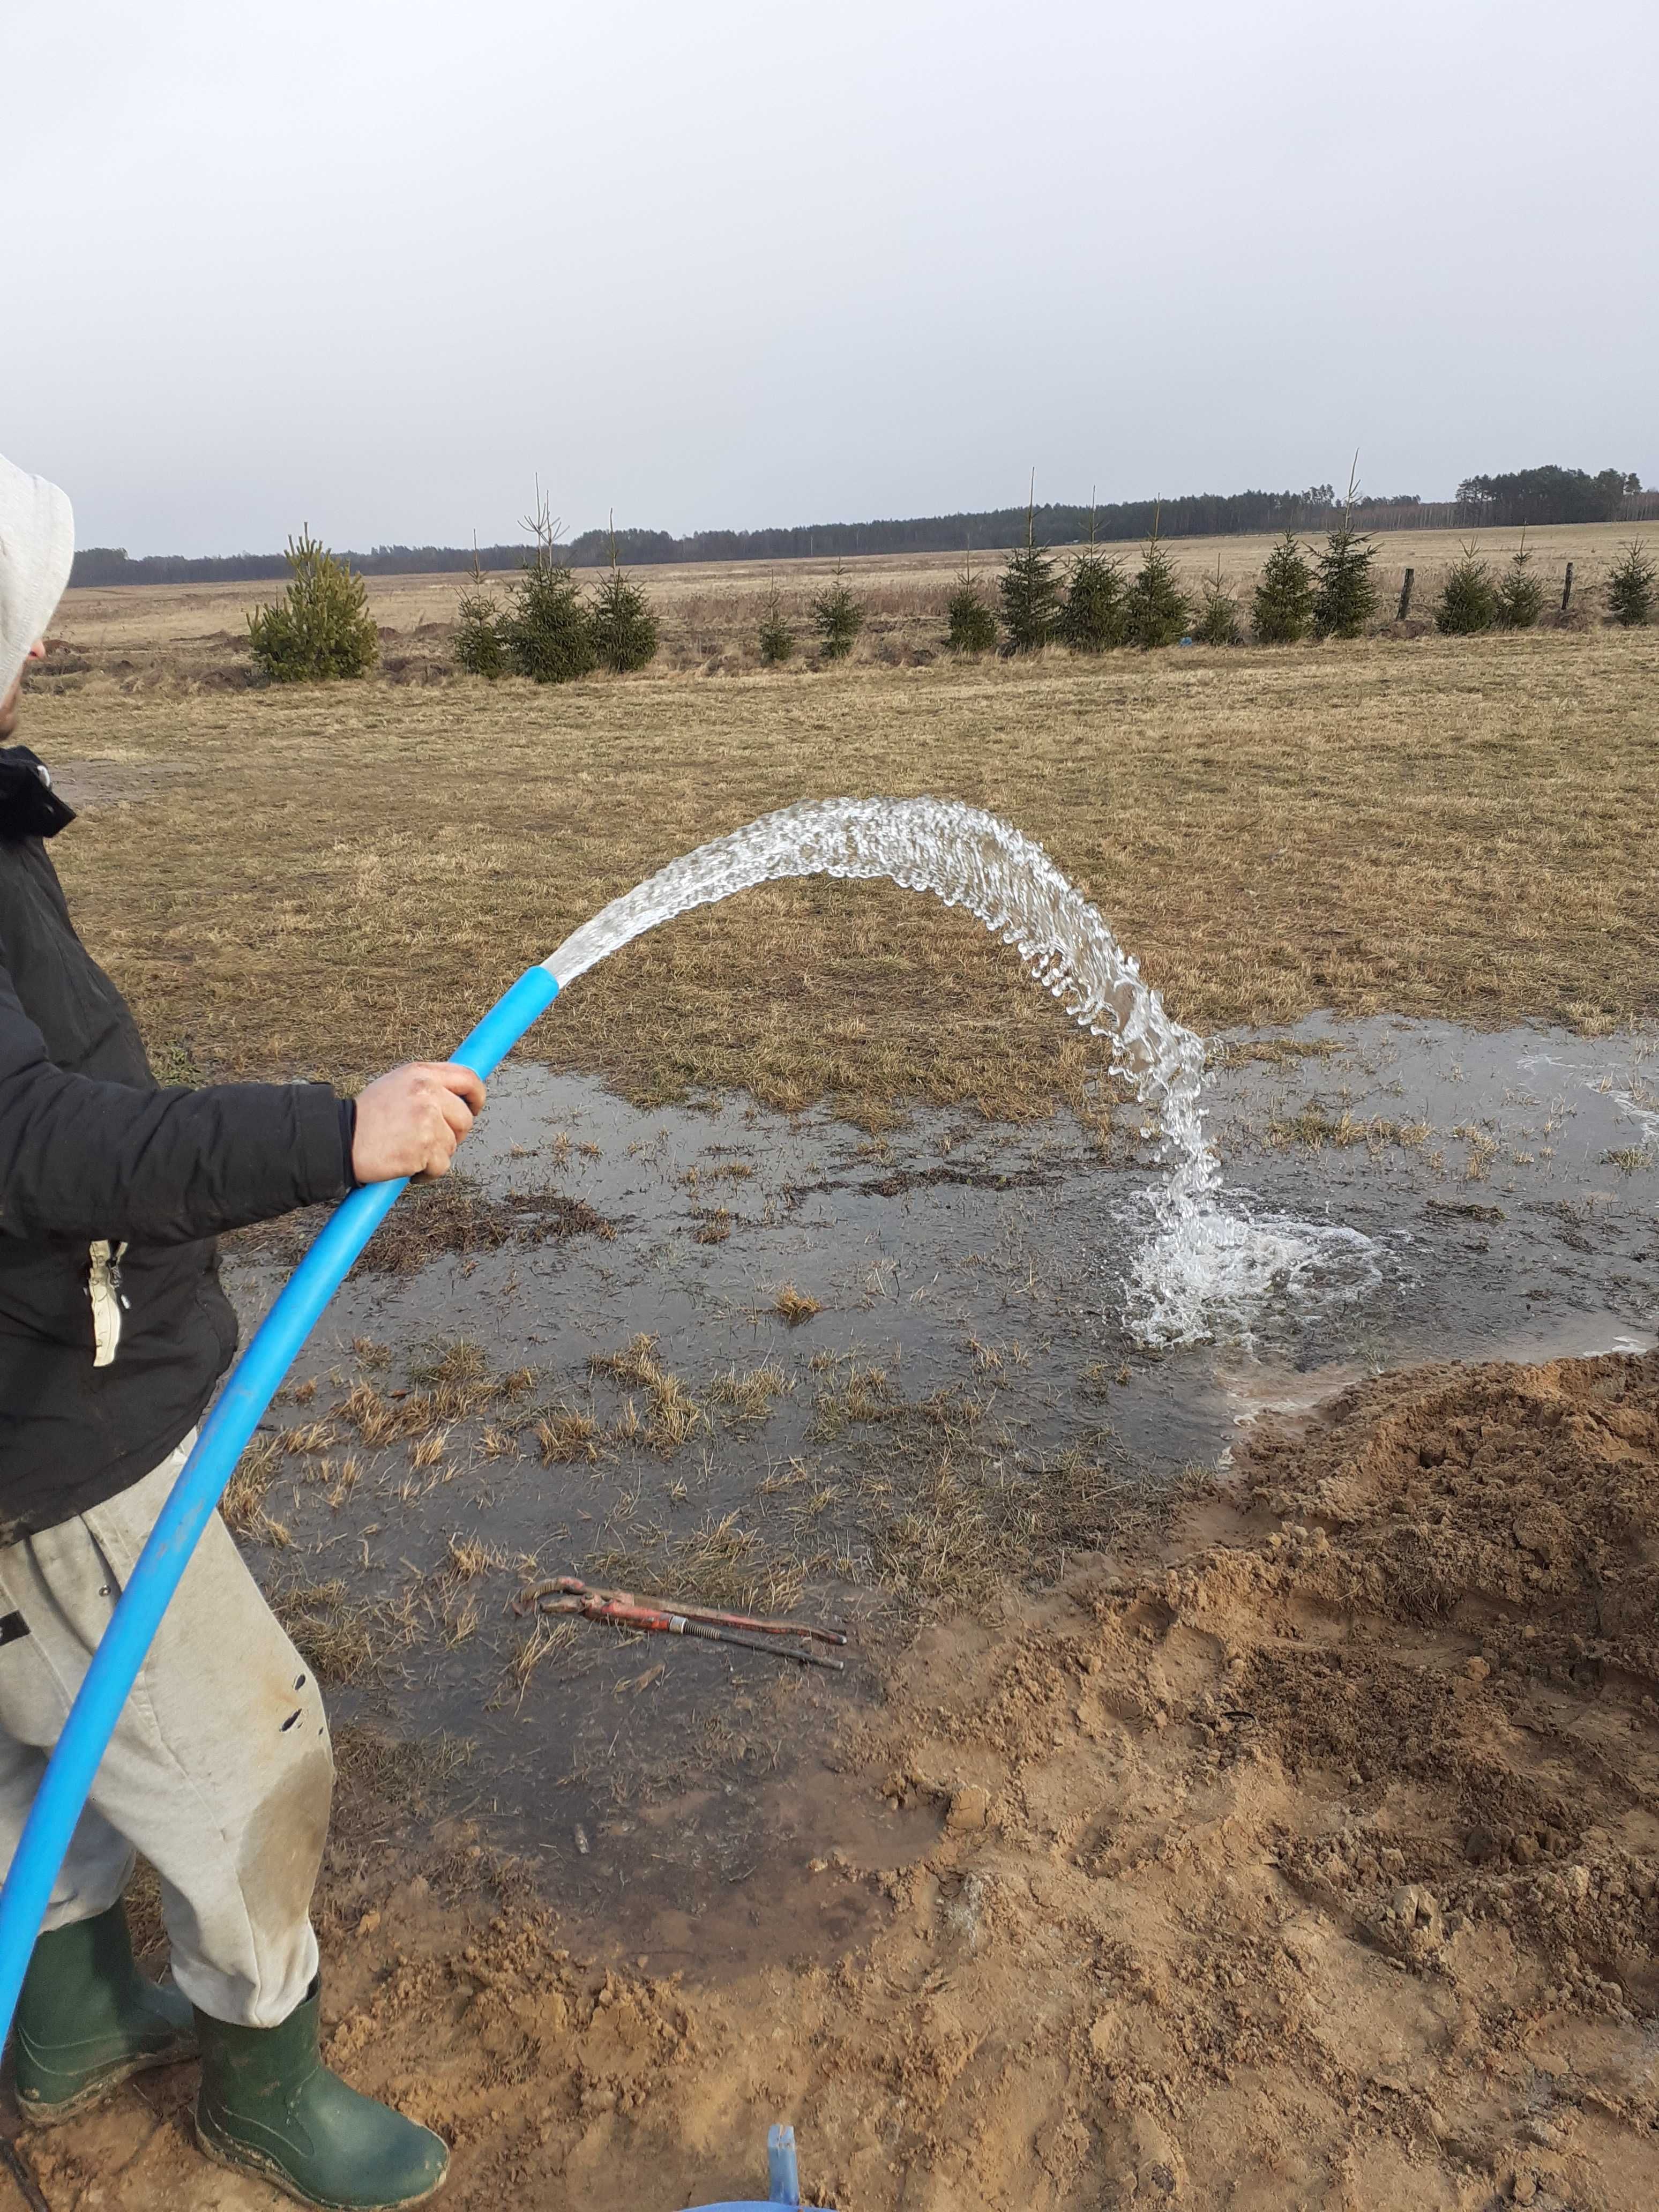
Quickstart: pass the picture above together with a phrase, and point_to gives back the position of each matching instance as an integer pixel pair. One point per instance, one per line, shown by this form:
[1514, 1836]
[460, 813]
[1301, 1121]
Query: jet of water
[969, 859]
[972, 859]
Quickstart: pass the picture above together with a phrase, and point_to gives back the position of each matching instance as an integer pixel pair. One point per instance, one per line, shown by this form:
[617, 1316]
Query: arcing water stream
[1200, 1261]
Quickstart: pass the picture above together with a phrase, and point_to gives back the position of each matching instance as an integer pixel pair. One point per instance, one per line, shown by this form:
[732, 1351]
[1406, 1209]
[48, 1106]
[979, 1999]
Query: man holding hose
[113, 1333]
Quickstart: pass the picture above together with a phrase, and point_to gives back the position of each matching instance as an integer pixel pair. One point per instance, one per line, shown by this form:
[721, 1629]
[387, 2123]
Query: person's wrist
[349, 1141]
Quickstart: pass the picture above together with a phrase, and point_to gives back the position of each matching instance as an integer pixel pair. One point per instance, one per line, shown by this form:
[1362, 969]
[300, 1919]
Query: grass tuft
[747, 1396]
[724, 1562]
[675, 1416]
[242, 1508]
[565, 1436]
[332, 1634]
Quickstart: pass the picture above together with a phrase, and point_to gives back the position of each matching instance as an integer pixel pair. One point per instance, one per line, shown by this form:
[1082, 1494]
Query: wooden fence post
[1406, 596]
[1566, 588]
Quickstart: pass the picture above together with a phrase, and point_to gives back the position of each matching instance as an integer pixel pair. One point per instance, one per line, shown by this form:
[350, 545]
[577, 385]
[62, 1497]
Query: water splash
[1209, 1270]
[1200, 1260]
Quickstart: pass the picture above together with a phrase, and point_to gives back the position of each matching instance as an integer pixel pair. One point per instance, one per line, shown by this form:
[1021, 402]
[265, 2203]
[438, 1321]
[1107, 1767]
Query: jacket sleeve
[80, 1157]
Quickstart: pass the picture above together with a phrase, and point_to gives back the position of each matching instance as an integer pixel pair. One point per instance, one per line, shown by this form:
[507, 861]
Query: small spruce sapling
[1217, 620]
[1518, 598]
[1344, 589]
[1155, 611]
[1281, 608]
[321, 626]
[1468, 600]
[1091, 621]
[838, 617]
[477, 646]
[776, 640]
[546, 629]
[1632, 582]
[971, 626]
[624, 627]
[1030, 590]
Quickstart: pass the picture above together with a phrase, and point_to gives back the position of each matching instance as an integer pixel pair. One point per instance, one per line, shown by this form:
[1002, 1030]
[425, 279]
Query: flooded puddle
[771, 1361]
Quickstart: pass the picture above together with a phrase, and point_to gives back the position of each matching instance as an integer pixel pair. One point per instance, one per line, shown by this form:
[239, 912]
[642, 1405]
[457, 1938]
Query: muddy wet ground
[1305, 1853]
[780, 1363]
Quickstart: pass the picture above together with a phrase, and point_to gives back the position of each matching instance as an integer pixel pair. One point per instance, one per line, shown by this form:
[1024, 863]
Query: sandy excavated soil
[1311, 1863]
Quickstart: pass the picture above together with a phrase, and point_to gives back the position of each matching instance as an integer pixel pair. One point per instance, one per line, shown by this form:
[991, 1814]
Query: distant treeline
[1204, 514]
[1529, 496]
[1548, 496]
[113, 564]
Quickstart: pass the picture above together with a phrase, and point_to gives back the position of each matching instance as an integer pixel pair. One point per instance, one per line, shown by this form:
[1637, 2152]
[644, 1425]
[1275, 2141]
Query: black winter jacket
[113, 1327]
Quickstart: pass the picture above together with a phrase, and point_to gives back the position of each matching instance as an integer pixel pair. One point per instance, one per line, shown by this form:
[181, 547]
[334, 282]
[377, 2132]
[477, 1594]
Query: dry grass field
[330, 879]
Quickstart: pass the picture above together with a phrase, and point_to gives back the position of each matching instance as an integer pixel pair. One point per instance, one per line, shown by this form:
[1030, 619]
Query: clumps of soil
[451, 1218]
[1502, 1524]
[1317, 1853]
[525, 1999]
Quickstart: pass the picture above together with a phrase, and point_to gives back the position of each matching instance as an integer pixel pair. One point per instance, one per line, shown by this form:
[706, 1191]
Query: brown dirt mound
[1312, 1863]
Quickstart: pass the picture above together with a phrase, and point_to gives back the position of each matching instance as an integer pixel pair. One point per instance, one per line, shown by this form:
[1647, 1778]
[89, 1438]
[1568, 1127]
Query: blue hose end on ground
[782, 2174]
[783, 2178]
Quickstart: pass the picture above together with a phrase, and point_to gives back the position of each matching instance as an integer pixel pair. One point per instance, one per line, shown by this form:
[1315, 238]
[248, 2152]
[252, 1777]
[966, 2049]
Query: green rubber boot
[270, 2106]
[88, 2020]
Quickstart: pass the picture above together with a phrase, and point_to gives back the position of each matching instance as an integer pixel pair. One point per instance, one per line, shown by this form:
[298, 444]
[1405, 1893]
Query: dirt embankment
[1314, 1864]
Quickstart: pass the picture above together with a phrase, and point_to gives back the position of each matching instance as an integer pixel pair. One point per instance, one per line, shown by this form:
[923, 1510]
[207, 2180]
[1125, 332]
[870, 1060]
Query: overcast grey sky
[373, 263]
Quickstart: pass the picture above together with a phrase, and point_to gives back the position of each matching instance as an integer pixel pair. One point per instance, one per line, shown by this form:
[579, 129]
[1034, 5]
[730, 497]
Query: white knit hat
[37, 545]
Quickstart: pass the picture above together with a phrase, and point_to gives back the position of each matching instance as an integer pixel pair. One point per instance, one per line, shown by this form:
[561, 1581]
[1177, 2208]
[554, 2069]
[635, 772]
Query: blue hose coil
[253, 1382]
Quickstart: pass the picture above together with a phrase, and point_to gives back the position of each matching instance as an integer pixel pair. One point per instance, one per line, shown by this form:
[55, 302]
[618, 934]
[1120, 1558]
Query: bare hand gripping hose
[120, 1654]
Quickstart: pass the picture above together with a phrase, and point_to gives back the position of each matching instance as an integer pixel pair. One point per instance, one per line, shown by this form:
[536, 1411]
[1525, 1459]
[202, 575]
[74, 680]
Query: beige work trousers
[219, 1771]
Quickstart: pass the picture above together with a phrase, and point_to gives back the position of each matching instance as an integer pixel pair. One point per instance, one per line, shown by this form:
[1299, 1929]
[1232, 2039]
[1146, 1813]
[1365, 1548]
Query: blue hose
[137, 1615]
[783, 2175]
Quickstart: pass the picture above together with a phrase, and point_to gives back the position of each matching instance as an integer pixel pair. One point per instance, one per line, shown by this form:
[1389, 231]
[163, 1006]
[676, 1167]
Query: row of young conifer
[321, 627]
[1333, 594]
[549, 629]
[550, 632]
[1097, 604]
[1474, 599]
